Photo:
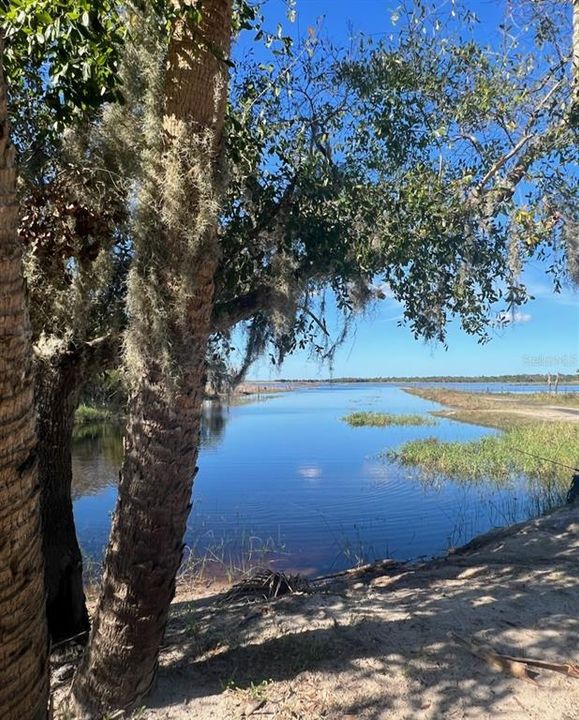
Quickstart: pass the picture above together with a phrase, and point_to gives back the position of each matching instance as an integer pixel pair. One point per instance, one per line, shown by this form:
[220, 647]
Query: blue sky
[544, 335]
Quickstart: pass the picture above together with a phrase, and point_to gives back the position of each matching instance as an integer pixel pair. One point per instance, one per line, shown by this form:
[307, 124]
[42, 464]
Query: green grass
[88, 414]
[374, 419]
[522, 449]
[91, 421]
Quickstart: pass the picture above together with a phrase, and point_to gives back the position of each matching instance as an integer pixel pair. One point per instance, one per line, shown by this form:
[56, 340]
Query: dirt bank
[498, 409]
[376, 645]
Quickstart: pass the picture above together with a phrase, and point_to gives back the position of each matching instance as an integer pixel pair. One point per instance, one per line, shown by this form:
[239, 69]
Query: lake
[286, 481]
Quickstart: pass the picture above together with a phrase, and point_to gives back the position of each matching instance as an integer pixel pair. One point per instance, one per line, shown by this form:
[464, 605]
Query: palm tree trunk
[174, 268]
[58, 384]
[23, 640]
[575, 61]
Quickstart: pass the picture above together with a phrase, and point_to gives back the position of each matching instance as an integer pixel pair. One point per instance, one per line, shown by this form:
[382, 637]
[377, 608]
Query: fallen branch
[516, 666]
[369, 568]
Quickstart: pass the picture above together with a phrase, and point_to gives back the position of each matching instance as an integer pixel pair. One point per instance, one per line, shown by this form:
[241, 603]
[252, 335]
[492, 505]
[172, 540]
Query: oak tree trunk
[176, 267]
[23, 639]
[60, 377]
[58, 384]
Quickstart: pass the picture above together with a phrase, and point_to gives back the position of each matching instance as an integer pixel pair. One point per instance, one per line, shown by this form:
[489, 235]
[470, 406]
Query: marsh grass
[89, 415]
[92, 421]
[221, 562]
[376, 419]
[539, 450]
[228, 560]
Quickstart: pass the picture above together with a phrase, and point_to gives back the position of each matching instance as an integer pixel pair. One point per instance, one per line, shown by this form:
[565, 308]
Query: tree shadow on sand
[386, 645]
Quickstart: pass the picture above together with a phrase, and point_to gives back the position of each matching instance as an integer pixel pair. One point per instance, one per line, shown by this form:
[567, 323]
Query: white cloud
[521, 317]
[513, 318]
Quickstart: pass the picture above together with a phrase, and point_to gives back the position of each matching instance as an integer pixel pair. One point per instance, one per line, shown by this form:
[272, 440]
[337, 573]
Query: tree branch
[320, 323]
[527, 137]
[243, 307]
[102, 353]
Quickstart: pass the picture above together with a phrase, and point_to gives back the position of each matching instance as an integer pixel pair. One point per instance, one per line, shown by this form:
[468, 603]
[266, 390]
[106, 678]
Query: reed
[89, 414]
[545, 451]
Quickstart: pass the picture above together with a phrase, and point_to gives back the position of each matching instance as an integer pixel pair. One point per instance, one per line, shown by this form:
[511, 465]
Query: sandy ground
[549, 413]
[540, 412]
[376, 644]
[490, 406]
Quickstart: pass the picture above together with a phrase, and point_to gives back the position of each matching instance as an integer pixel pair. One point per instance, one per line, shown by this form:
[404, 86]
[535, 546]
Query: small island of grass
[376, 419]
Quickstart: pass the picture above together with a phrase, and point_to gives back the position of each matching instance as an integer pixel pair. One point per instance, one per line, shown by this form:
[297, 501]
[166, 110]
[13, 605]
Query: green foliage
[74, 191]
[62, 60]
[391, 171]
[454, 129]
[426, 167]
[88, 415]
[375, 419]
[105, 390]
[66, 51]
[169, 12]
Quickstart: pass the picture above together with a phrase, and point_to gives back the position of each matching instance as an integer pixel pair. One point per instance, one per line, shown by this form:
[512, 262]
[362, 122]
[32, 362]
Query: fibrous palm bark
[575, 50]
[23, 639]
[170, 302]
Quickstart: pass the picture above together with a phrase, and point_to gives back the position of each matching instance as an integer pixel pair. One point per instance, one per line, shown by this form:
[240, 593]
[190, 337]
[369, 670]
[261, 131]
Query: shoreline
[500, 410]
[538, 380]
[386, 641]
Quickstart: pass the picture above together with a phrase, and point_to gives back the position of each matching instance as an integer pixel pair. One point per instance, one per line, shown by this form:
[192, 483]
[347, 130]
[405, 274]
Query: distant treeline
[537, 378]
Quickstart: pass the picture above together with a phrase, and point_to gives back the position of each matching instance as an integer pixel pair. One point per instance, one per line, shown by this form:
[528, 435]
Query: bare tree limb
[102, 353]
[526, 138]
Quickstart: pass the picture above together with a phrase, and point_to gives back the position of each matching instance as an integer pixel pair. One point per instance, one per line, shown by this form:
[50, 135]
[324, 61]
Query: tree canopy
[426, 165]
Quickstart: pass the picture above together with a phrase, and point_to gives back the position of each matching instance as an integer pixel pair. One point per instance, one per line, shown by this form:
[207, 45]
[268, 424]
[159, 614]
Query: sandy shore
[378, 644]
[494, 408]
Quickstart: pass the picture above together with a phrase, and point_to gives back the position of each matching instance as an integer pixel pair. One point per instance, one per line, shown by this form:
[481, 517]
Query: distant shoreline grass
[496, 402]
[91, 420]
[90, 414]
[538, 379]
[375, 419]
[529, 445]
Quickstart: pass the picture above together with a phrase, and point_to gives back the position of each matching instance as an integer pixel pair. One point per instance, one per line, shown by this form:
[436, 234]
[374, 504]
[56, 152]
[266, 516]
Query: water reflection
[96, 458]
[97, 451]
[213, 420]
[287, 479]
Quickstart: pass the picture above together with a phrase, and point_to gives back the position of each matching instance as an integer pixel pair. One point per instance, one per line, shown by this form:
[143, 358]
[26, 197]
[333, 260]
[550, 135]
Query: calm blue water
[287, 479]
